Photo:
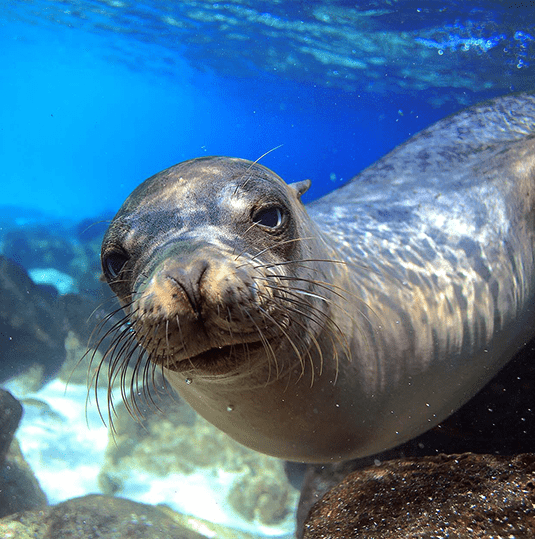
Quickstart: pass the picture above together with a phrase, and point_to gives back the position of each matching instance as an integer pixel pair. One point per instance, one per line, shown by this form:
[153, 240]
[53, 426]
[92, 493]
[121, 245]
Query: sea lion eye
[113, 263]
[270, 217]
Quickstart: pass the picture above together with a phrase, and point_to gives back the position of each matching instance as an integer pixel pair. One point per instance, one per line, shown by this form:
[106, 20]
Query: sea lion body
[349, 327]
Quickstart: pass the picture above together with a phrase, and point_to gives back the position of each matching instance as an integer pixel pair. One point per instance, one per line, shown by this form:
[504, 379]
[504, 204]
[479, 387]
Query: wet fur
[379, 311]
[135, 372]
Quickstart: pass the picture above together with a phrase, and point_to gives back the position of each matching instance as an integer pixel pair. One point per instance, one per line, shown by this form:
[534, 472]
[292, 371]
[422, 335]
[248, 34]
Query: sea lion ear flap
[300, 187]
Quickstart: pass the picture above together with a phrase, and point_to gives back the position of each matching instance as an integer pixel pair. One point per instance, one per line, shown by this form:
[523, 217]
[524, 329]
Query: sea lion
[345, 328]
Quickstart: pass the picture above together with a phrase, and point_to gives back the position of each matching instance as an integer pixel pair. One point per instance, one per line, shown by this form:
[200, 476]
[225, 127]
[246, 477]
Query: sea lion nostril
[188, 278]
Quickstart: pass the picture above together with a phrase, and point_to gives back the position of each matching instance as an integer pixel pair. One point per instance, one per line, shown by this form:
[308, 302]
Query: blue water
[97, 96]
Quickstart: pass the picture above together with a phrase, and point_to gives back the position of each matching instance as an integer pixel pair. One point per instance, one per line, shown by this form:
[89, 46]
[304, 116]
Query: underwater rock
[318, 480]
[96, 516]
[37, 247]
[19, 488]
[57, 256]
[468, 495]
[32, 328]
[261, 498]
[34, 325]
[169, 439]
[84, 314]
[10, 416]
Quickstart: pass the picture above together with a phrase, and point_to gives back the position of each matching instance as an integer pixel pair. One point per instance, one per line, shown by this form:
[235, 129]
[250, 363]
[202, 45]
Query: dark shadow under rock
[472, 496]
[95, 516]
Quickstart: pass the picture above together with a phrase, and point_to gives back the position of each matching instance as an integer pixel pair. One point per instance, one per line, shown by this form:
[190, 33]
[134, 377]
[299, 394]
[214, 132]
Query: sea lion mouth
[220, 360]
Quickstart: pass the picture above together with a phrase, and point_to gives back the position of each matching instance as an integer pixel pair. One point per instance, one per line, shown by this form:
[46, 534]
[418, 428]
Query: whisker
[304, 327]
[267, 347]
[253, 164]
[320, 319]
[117, 325]
[288, 338]
[327, 287]
[271, 247]
[296, 291]
[244, 250]
[317, 316]
[122, 332]
[230, 330]
[149, 380]
[301, 261]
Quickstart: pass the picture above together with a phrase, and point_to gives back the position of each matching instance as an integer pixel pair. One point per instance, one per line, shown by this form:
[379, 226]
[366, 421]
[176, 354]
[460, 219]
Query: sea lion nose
[188, 277]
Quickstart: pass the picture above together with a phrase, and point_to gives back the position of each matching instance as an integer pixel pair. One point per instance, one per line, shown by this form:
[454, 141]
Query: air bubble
[230, 408]
[189, 381]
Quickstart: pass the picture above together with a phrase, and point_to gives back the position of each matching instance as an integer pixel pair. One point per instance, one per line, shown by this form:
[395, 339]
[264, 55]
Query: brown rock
[10, 415]
[264, 498]
[95, 516]
[19, 488]
[461, 496]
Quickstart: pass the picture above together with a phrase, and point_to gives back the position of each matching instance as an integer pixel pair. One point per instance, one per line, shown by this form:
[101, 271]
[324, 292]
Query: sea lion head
[210, 262]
